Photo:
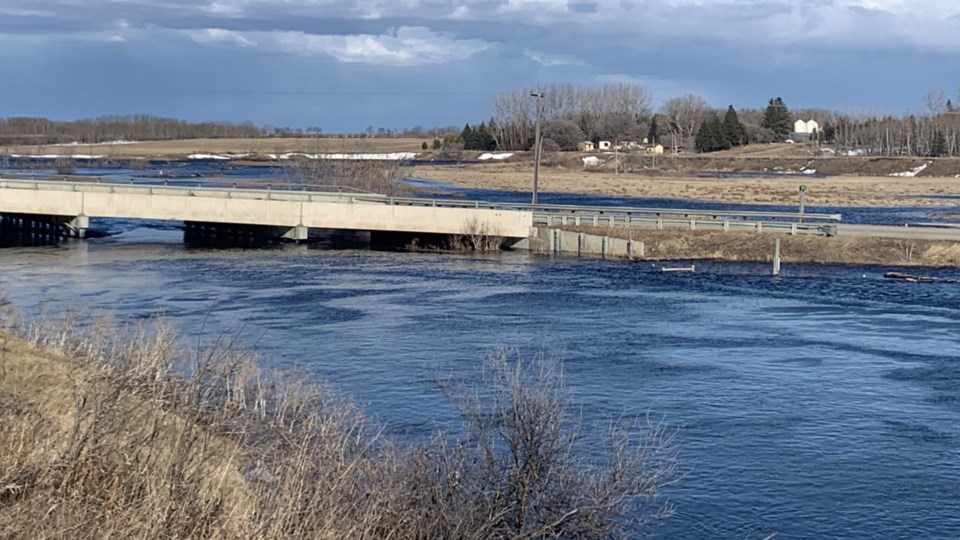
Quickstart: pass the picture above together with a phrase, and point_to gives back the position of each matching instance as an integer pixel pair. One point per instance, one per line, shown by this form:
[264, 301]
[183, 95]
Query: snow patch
[592, 161]
[809, 171]
[501, 156]
[912, 172]
[395, 156]
[57, 156]
[209, 156]
[855, 153]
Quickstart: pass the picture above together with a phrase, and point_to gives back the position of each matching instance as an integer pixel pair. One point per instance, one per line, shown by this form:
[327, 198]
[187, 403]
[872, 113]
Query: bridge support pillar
[78, 226]
[298, 233]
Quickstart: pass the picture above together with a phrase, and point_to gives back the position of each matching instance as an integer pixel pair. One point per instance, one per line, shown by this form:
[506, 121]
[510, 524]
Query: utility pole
[537, 144]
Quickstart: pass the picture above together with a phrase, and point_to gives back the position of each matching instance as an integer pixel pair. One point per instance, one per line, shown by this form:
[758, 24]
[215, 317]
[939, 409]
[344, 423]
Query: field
[831, 191]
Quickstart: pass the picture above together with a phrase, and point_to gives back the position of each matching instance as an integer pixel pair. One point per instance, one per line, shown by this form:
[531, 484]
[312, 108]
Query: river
[824, 404]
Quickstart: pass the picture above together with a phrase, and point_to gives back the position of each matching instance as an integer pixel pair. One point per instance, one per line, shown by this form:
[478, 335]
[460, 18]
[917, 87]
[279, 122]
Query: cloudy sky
[343, 65]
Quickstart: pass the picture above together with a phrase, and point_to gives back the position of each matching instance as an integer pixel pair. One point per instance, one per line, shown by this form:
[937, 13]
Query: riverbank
[104, 436]
[799, 249]
[870, 191]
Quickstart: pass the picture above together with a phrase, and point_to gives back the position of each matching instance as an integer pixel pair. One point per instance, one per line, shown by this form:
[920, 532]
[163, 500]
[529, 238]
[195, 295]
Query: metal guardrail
[544, 215]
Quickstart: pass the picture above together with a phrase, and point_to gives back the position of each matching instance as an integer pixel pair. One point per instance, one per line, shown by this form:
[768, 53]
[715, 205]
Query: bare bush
[477, 235]
[364, 175]
[118, 432]
[526, 474]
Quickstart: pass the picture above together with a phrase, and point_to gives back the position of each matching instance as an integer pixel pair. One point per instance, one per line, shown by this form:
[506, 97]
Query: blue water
[825, 404]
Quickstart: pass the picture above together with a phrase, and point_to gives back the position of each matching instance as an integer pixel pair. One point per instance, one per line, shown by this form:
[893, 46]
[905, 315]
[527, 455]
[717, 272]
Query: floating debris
[680, 269]
[918, 279]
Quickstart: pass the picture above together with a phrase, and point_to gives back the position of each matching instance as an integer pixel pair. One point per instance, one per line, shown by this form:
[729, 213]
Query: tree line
[571, 114]
[624, 112]
[36, 130]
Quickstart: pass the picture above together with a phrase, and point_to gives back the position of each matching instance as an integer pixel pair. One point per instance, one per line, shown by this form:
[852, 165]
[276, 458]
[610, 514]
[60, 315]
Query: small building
[586, 146]
[805, 130]
[656, 150]
[605, 145]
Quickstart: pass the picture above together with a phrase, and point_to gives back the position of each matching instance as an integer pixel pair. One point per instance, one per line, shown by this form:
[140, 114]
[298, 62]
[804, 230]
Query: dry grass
[834, 191]
[182, 148]
[104, 437]
[743, 246]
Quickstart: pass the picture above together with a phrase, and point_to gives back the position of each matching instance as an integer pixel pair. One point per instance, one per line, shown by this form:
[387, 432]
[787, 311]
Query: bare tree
[684, 115]
[528, 474]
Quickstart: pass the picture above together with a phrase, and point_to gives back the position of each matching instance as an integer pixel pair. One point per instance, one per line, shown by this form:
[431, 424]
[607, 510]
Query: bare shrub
[477, 235]
[521, 471]
[363, 175]
[118, 432]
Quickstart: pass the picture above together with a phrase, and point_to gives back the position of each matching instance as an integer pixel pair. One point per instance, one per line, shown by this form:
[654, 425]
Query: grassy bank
[754, 247]
[871, 191]
[105, 437]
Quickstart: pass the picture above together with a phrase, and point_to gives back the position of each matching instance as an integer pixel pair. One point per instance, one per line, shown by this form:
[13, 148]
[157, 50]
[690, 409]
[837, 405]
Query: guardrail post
[659, 223]
[596, 220]
[793, 229]
[580, 239]
[693, 224]
[726, 225]
[577, 219]
[759, 226]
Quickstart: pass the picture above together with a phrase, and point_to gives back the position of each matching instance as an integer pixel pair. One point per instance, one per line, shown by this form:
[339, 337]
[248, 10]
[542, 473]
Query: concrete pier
[47, 226]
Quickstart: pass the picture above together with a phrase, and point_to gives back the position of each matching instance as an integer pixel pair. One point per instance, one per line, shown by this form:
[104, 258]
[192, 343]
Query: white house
[803, 131]
[586, 146]
[605, 145]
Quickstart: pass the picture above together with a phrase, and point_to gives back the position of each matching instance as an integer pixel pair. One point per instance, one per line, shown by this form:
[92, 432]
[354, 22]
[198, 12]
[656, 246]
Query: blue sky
[345, 65]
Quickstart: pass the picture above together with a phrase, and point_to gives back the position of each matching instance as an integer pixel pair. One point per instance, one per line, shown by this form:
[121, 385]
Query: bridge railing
[544, 215]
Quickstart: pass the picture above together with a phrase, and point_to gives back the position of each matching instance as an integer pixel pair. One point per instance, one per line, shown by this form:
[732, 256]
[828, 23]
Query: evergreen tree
[829, 132]
[484, 139]
[777, 118]
[652, 134]
[733, 129]
[711, 136]
[468, 137]
[949, 105]
[938, 147]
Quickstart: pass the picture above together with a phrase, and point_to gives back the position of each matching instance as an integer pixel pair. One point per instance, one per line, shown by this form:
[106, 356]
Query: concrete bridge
[67, 207]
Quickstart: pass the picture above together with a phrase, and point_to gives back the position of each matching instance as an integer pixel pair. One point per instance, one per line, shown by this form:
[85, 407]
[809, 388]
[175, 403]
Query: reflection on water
[822, 405]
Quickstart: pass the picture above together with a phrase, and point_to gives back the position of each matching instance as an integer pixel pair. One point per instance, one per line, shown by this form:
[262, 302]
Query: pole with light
[537, 145]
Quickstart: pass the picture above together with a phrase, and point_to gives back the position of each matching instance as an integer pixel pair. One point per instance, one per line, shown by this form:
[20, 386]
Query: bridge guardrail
[544, 215]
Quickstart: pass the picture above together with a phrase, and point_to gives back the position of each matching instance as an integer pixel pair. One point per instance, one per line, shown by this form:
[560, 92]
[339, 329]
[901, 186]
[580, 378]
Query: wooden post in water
[776, 259]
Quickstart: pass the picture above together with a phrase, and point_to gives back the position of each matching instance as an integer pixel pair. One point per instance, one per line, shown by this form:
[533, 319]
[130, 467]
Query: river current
[823, 404]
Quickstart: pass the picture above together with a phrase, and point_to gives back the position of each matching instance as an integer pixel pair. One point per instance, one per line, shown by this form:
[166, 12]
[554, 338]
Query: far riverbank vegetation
[621, 113]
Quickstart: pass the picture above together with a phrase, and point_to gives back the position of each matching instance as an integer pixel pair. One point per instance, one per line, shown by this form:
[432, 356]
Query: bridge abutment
[43, 226]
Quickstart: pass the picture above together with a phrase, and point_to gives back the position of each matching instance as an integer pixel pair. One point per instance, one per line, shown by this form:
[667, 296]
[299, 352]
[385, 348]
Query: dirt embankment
[754, 247]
